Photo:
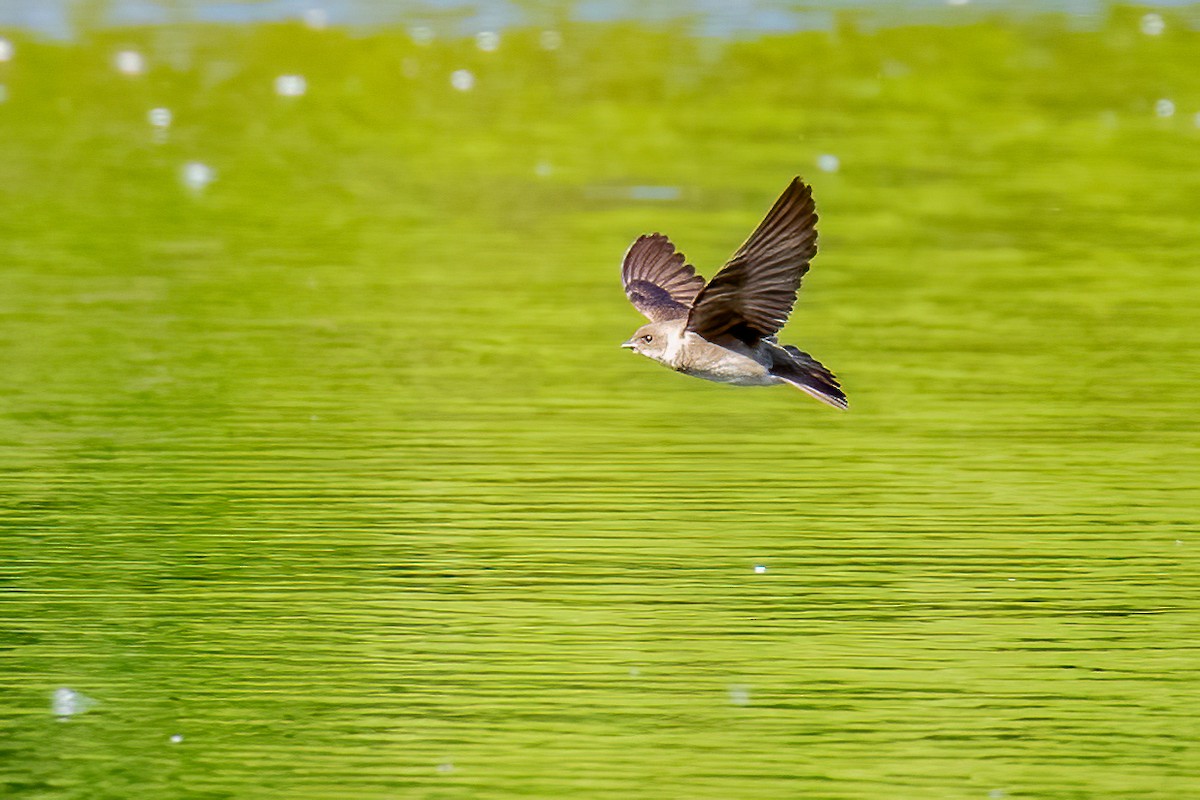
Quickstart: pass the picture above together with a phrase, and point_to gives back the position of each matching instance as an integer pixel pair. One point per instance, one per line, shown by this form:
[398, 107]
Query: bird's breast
[701, 358]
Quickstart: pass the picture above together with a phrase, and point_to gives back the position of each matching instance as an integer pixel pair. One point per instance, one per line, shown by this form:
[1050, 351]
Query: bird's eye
[647, 338]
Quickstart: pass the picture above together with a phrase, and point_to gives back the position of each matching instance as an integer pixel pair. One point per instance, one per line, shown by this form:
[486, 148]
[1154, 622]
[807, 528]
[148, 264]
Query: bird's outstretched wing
[753, 294]
[657, 280]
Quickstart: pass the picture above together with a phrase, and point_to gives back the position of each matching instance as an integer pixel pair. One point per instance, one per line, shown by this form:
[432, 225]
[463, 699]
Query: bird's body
[725, 331]
[691, 354]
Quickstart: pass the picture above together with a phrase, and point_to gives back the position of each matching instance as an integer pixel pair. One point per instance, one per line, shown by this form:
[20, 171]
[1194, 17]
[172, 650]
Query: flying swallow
[725, 331]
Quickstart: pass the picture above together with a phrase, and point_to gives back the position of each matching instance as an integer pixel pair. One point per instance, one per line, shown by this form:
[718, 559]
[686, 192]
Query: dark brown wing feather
[657, 280]
[753, 294]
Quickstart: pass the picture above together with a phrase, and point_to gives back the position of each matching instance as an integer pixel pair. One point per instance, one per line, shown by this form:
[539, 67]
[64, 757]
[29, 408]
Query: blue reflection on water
[719, 18]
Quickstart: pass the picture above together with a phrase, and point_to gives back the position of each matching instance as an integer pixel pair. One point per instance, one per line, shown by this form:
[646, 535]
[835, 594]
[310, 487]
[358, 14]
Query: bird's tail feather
[808, 375]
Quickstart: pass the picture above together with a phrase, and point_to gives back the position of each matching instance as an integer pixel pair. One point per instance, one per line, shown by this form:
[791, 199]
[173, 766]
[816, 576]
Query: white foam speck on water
[421, 35]
[827, 162]
[315, 18]
[1152, 24]
[66, 703]
[6, 50]
[291, 86]
[634, 672]
[176, 738]
[550, 40]
[445, 767]
[1164, 107]
[129, 62]
[543, 169]
[197, 175]
[760, 569]
[160, 120]
[463, 80]
[487, 41]
[159, 117]
[739, 694]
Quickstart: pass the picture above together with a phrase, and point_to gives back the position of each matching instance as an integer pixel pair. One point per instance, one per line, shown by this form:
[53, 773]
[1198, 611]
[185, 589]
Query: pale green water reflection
[334, 469]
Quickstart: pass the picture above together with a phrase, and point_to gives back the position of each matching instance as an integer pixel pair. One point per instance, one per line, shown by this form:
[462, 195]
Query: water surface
[329, 467]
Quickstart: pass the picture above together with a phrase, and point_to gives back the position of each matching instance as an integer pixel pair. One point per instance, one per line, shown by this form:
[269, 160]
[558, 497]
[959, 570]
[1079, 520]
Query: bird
[726, 330]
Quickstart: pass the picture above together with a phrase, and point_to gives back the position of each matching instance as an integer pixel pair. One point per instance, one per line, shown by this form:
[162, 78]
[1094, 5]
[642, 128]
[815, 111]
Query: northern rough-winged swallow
[725, 331]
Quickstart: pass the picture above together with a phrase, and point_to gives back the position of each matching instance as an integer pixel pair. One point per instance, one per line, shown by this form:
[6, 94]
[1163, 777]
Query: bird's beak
[627, 345]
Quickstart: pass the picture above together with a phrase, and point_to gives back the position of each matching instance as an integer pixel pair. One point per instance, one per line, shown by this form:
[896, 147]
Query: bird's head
[650, 340]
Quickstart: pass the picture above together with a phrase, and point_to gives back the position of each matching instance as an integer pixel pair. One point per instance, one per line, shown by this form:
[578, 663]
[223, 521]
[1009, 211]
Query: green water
[333, 467]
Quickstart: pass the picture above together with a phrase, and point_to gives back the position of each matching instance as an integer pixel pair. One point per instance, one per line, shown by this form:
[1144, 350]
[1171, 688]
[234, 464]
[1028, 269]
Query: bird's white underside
[690, 353]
